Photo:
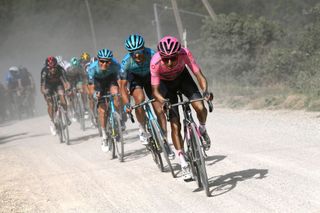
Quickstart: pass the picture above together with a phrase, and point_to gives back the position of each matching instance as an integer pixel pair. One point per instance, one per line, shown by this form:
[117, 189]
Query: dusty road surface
[261, 161]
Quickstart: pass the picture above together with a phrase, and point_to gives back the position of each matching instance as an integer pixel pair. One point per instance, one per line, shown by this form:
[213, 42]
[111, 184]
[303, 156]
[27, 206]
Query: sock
[142, 127]
[202, 128]
[183, 162]
[104, 134]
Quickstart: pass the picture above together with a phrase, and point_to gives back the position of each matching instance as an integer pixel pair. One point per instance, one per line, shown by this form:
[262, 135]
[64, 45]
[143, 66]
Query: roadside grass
[275, 97]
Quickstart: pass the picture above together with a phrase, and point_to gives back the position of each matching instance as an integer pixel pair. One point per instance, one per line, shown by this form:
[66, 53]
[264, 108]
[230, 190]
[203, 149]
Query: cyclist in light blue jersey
[104, 75]
[135, 70]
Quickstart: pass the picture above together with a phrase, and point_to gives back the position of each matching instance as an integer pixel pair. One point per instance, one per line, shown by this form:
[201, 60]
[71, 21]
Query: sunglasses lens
[137, 52]
[104, 61]
[166, 60]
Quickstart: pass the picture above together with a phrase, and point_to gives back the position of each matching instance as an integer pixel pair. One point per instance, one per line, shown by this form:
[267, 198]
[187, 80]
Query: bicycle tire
[159, 136]
[201, 162]
[65, 128]
[110, 141]
[118, 140]
[156, 156]
[59, 125]
[81, 112]
[193, 164]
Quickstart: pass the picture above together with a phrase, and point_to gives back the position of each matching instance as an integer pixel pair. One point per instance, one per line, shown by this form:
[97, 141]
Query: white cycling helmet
[14, 69]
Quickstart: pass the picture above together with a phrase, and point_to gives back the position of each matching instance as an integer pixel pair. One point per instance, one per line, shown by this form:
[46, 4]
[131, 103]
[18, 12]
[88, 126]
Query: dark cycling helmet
[74, 61]
[51, 62]
[168, 46]
[105, 54]
[134, 42]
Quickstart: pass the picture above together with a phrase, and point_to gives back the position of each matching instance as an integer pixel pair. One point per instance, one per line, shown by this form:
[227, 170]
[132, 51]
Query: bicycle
[79, 108]
[113, 127]
[156, 143]
[60, 119]
[194, 148]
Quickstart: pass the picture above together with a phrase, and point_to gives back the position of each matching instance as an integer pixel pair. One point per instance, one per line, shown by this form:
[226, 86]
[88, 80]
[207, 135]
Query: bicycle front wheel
[156, 156]
[118, 140]
[158, 135]
[64, 127]
[200, 162]
[81, 112]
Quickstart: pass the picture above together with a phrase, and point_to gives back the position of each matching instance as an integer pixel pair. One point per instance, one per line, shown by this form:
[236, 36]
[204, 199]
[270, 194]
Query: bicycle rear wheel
[158, 135]
[119, 144]
[200, 162]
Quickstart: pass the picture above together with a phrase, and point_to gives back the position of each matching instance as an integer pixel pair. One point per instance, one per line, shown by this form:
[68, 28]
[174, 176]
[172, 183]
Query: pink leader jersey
[159, 71]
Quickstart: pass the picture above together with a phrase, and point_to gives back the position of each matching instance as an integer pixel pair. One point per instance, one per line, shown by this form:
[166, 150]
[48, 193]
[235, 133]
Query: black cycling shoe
[205, 140]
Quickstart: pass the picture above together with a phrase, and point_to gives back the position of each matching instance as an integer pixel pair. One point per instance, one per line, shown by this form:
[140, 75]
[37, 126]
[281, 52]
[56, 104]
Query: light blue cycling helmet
[105, 54]
[75, 61]
[134, 42]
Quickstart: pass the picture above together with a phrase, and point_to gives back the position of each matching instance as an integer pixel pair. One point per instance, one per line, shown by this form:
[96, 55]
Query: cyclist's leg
[90, 87]
[190, 90]
[60, 92]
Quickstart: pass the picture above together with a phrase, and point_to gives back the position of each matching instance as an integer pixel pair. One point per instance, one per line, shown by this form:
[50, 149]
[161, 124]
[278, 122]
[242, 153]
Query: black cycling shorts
[144, 82]
[183, 83]
[103, 84]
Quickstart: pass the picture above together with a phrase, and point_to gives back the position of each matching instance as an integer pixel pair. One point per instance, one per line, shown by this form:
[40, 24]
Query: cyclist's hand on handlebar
[166, 106]
[97, 94]
[127, 108]
[208, 96]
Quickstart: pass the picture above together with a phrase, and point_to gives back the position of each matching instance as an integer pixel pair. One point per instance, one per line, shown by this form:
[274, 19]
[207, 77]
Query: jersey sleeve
[154, 71]
[124, 68]
[43, 77]
[91, 72]
[191, 62]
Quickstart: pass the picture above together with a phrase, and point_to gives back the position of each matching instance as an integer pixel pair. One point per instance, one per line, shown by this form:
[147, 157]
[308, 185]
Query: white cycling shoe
[53, 129]
[144, 136]
[186, 173]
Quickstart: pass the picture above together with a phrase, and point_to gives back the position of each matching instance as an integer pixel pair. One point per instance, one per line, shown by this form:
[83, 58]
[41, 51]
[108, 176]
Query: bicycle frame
[154, 126]
[114, 119]
[195, 149]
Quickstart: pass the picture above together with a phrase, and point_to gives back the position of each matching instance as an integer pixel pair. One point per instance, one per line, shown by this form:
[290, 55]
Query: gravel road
[260, 161]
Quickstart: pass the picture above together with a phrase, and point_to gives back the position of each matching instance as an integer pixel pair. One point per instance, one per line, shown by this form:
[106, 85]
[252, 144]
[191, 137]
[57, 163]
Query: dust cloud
[39, 29]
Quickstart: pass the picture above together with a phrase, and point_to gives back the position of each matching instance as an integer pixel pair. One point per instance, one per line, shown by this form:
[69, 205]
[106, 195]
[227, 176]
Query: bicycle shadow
[131, 139]
[82, 139]
[214, 159]
[9, 138]
[225, 183]
[135, 154]
[127, 131]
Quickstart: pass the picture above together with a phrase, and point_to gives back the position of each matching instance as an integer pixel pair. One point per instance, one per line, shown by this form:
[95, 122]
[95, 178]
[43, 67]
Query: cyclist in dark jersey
[53, 80]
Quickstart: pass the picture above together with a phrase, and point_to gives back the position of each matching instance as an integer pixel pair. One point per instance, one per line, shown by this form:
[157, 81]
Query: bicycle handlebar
[143, 103]
[187, 103]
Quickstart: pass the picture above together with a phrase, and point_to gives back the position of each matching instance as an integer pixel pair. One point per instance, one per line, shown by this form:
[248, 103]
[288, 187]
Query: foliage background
[256, 54]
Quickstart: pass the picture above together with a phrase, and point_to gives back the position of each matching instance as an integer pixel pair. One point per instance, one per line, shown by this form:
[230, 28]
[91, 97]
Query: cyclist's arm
[202, 81]
[156, 93]
[124, 92]
[43, 81]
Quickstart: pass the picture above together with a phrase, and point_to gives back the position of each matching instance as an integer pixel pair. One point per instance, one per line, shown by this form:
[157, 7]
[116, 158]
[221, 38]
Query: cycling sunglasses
[172, 59]
[104, 61]
[137, 52]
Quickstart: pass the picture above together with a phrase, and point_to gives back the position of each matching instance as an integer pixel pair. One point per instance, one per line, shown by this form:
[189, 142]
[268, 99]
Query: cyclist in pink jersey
[168, 67]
